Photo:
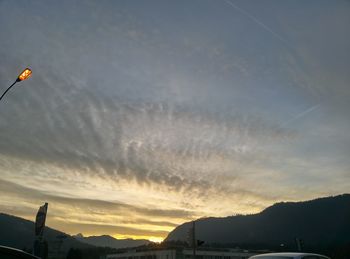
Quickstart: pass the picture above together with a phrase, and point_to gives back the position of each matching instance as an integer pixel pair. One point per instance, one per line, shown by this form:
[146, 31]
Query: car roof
[287, 254]
[16, 252]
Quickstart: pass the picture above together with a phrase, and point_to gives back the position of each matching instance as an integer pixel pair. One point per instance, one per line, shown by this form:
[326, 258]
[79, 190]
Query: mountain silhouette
[19, 233]
[319, 222]
[108, 241]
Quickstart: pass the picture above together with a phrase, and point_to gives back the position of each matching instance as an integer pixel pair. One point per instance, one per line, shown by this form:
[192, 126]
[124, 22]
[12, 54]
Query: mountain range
[19, 233]
[108, 241]
[319, 222]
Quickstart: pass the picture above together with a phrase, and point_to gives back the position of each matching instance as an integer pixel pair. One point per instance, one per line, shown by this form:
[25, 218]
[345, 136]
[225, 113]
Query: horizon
[141, 116]
[159, 240]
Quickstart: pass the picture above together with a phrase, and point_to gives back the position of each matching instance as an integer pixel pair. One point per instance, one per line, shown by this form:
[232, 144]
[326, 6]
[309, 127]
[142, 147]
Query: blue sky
[191, 108]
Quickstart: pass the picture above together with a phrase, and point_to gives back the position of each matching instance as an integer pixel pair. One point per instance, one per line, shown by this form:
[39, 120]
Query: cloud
[151, 143]
[95, 229]
[91, 216]
[14, 189]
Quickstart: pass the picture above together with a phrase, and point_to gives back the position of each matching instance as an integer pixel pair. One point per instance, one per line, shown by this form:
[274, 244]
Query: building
[183, 253]
[148, 254]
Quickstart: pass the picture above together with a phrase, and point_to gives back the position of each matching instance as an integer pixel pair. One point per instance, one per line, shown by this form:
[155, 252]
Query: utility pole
[194, 241]
[300, 244]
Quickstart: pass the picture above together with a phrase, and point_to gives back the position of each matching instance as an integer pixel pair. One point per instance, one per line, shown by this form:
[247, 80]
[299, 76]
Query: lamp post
[26, 73]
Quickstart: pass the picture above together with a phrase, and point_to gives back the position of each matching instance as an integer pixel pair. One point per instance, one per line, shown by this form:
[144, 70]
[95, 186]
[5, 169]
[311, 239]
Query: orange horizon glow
[154, 239]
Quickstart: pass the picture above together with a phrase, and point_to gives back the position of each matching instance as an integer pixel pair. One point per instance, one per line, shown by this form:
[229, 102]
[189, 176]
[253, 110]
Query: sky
[143, 115]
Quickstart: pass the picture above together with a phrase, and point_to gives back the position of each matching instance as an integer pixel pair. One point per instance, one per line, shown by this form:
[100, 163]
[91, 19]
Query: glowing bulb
[25, 74]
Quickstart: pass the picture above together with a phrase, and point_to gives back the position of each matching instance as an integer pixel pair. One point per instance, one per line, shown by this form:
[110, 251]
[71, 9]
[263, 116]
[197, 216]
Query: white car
[289, 256]
[13, 253]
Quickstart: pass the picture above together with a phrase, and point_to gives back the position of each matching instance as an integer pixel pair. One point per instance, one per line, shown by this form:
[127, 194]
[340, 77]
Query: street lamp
[25, 74]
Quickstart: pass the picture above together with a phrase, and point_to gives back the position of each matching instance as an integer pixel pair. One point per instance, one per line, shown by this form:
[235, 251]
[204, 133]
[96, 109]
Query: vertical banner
[40, 248]
[40, 220]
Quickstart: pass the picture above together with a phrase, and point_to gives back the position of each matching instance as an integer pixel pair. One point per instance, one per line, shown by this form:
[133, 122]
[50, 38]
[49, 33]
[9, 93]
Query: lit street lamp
[26, 73]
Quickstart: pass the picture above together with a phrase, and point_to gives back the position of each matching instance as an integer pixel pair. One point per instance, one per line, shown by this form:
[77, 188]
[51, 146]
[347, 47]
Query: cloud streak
[300, 115]
[15, 189]
[257, 21]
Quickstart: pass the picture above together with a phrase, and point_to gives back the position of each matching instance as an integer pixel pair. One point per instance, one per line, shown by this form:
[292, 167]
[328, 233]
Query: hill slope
[108, 241]
[19, 233]
[324, 221]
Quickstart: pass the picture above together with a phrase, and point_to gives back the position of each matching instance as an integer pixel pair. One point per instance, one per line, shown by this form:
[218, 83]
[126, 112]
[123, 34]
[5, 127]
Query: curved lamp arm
[26, 73]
